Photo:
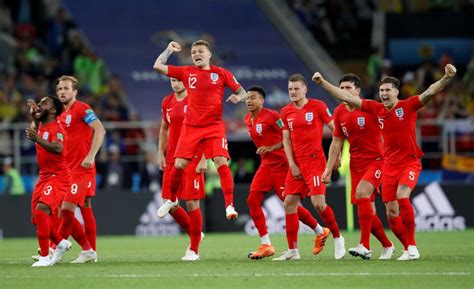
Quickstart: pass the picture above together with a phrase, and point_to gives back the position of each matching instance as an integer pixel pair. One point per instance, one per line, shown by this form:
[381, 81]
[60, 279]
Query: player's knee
[360, 194]
[220, 161]
[252, 201]
[180, 164]
[320, 207]
[43, 207]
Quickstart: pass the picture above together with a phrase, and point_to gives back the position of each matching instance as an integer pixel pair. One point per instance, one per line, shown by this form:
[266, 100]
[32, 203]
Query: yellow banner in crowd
[458, 163]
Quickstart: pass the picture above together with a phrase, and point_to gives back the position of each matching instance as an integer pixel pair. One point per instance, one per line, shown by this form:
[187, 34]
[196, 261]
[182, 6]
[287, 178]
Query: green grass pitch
[132, 262]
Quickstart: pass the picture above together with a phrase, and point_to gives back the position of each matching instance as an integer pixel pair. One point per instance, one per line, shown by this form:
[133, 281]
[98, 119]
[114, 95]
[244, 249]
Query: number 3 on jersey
[192, 82]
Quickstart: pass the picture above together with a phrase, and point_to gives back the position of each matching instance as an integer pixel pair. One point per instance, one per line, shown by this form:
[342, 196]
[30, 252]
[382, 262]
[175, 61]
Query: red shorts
[91, 185]
[267, 178]
[311, 183]
[210, 138]
[393, 176]
[50, 190]
[368, 170]
[82, 183]
[192, 187]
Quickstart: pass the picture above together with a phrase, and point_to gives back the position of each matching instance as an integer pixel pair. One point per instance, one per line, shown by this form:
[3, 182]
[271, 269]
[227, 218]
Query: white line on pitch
[309, 274]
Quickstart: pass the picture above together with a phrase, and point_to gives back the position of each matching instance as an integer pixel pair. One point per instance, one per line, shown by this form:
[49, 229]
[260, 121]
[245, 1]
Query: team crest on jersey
[361, 121]
[259, 128]
[214, 76]
[68, 119]
[399, 112]
[309, 116]
[45, 135]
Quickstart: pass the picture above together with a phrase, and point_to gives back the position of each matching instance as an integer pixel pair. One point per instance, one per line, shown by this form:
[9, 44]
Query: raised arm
[160, 62]
[334, 151]
[162, 142]
[239, 95]
[98, 134]
[295, 170]
[438, 86]
[335, 91]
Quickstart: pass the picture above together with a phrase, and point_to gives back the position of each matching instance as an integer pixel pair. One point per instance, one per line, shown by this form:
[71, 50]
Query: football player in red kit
[54, 175]
[365, 138]
[203, 127]
[265, 129]
[303, 122]
[173, 111]
[402, 166]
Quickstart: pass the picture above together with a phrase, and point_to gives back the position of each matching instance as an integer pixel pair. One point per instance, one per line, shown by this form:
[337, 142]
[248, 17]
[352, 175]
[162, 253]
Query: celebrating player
[54, 176]
[173, 111]
[265, 129]
[363, 133]
[85, 134]
[402, 167]
[302, 140]
[203, 127]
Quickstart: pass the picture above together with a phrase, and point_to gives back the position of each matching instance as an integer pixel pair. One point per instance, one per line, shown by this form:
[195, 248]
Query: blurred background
[110, 46]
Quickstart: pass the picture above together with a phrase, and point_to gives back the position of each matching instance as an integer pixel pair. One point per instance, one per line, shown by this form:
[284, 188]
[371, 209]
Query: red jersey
[48, 162]
[361, 129]
[205, 92]
[265, 130]
[173, 113]
[306, 128]
[76, 121]
[398, 128]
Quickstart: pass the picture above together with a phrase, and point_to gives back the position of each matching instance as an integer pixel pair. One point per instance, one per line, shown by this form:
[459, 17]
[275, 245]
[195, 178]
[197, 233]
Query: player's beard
[44, 115]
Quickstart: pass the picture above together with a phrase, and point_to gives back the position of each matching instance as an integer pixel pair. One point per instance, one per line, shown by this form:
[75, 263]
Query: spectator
[13, 183]
[150, 175]
[114, 176]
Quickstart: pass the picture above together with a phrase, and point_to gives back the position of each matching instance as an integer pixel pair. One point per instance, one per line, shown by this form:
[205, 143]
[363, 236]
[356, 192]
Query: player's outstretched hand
[161, 161]
[317, 77]
[174, 46]
[264, 149]
[234, 98]
[450, 70]
[326, 177]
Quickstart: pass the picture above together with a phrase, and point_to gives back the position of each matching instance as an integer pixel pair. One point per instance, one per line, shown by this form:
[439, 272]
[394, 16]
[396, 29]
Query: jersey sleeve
[369, 106]
[275, 121]
[414, 103]
[57, 136]
[284, 122]
[176, 72]
[230, 80]
[164, 105]
[324, 113]
[337, 125]
[87, 114]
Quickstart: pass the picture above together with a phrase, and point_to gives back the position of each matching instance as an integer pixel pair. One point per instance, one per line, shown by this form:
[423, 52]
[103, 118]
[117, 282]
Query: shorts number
[316, 182]
[411, 175]
[196, 184]
[74, 189]
[381, 123]
[48, 190]
[344, 130]
[377, 174]
[192, 82]
[224, 143]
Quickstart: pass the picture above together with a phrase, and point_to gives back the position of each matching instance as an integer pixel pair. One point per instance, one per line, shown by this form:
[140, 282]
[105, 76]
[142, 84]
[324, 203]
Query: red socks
[292, 227]
[54, 235]
[227, 184]
[67, 222]
[80, 236]
[305, 216]
[90, 227]
[182, 218]
[408, 218]
[328, 217]
[365, 213]
[398, 229]
[176, 177]
[195, 229]
[379, 232]
[254, 202]
[42, 231]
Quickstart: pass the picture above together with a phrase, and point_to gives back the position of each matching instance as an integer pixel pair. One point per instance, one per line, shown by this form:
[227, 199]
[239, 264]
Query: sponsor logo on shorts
[434, 211]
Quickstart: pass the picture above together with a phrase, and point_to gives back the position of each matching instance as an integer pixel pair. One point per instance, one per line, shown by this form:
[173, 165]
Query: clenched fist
[450, 70]
[174, 46]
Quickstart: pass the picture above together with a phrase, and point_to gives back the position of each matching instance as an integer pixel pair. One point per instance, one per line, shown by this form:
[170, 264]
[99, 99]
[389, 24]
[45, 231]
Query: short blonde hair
[201, 42]
[72, 79]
